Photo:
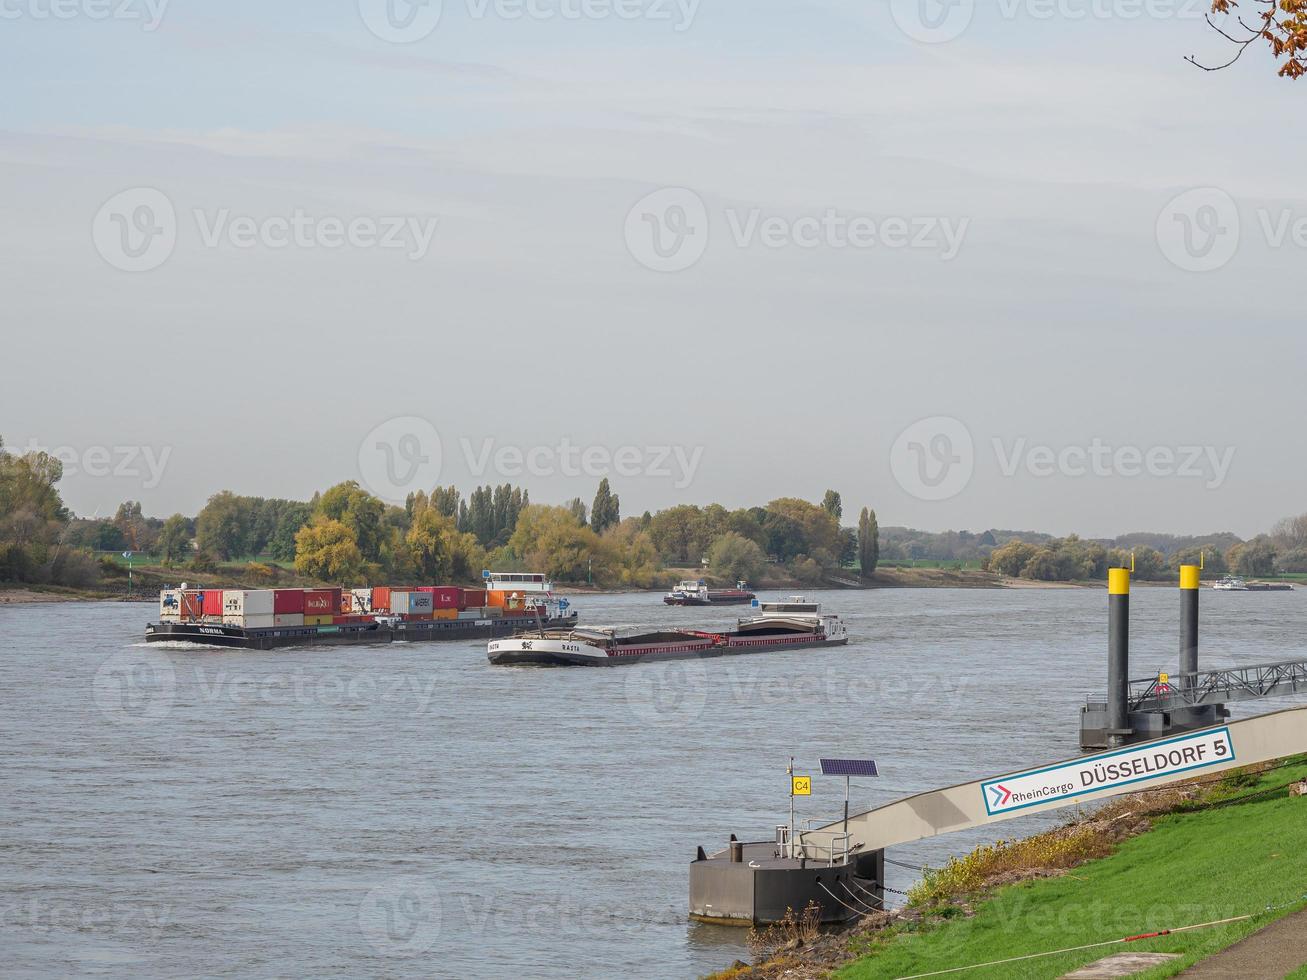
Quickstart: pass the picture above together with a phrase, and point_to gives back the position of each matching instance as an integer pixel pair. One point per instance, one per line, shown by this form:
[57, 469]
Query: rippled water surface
[409, 810]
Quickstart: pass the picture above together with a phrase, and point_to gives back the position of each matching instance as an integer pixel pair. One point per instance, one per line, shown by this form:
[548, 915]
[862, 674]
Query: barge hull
[217, 634]
[516, 656]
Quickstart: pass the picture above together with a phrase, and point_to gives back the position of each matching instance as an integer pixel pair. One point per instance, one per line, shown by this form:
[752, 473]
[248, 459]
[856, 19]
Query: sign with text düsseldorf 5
[1083, 777]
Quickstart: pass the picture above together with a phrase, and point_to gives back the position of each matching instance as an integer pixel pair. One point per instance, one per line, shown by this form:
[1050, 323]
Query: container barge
[793, 624]
[261, 619]
[692, 593]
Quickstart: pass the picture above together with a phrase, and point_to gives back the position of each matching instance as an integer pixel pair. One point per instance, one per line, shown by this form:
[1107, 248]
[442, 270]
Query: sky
[1009, 264]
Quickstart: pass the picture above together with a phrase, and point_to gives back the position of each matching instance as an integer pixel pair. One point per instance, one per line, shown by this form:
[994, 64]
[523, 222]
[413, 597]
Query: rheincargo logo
[1107, 773]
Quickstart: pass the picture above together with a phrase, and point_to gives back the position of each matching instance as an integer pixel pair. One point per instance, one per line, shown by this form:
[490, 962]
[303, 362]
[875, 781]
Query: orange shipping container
[446, 614]
[381, 598]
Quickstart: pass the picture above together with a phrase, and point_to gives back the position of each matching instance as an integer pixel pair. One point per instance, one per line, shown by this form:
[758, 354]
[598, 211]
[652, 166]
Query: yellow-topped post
[1118, 654]
[1190, 576]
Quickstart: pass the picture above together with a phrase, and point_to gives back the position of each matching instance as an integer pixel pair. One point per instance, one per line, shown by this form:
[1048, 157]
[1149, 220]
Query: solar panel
[848, 767]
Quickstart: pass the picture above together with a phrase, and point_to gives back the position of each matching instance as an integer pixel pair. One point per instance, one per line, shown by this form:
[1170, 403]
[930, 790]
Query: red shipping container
[381, 598]
[192, 605]
[287, 602]
[213, 602]
[446, 597]
[473, 598]
[321, 602]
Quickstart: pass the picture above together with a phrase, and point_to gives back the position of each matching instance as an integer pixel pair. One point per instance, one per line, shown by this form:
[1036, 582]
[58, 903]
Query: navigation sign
[1087, 777]
[849, 767]
[800, 785]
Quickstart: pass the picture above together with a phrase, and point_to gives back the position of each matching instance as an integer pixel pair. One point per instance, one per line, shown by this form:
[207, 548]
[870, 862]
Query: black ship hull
[415, 631]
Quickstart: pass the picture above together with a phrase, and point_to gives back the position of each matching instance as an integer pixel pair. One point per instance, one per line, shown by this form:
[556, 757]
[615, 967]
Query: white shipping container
[170, 604]
[288, 619]
[470, 614]
[361, 600]
[411, 603]
[246, 603]
[264, 622]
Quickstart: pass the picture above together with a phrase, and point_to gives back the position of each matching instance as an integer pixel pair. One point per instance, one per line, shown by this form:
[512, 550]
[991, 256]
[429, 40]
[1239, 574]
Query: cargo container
[492, 612]
[381, 598]
[288, 619]
[318, 620]
[246, 602]
[321, 602]
[260, 621]
[213, 602]
[446, 614]
[471, 614]
[411, 603]
[287, 602]
[442, 596]
[192, 605]
[360, 601]
[473, 599]
[170, 604]
[179, 605]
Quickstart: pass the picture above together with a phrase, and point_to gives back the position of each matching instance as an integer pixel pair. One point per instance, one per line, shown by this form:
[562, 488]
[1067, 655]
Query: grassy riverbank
[1216, 850]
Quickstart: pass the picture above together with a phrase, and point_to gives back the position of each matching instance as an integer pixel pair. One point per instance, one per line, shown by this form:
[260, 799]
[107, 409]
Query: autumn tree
[734, 557]
[439, 551]
[174, 541]
[1255, 557]
[605, 512]
[636, 558]
[868, 541]
[329, 550]
[361, 512]
[1282, 24]
[833, 505]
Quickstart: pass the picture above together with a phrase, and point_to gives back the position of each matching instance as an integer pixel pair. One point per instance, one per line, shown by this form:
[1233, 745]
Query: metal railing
[836, 852]
[1210, 687]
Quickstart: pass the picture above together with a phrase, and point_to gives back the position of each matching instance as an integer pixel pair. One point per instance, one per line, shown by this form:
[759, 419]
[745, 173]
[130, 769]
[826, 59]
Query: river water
[412, 811]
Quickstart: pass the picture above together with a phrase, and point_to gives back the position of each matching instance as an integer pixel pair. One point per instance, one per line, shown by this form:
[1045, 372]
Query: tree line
[346, 534]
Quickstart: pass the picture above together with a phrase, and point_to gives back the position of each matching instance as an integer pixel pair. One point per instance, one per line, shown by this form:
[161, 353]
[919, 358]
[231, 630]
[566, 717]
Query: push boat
[1230, 584]
[1234, 584]
[696, 593]
[528, 601]
[791, 624]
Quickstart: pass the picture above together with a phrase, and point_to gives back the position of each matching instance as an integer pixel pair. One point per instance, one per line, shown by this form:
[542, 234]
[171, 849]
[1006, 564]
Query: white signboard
[1111, 770]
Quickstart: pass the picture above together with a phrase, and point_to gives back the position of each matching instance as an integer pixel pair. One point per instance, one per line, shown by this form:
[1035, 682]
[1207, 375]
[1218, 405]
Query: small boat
[1231, 583]
[791, 624]
[697, 593]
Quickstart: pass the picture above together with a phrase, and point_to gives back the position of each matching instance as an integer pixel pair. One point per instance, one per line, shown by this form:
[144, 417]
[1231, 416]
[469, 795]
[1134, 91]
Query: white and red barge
[792, 624]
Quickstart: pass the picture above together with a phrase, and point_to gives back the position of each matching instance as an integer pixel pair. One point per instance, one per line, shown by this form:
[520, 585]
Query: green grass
[1191, 868]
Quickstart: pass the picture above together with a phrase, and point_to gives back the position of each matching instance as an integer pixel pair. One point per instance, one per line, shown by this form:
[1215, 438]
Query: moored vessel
[791, 624]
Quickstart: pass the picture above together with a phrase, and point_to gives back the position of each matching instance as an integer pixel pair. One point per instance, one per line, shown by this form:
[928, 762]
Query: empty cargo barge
[794, 624]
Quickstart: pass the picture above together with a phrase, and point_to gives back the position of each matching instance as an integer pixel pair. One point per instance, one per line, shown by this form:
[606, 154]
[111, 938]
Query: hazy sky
[995, 265]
